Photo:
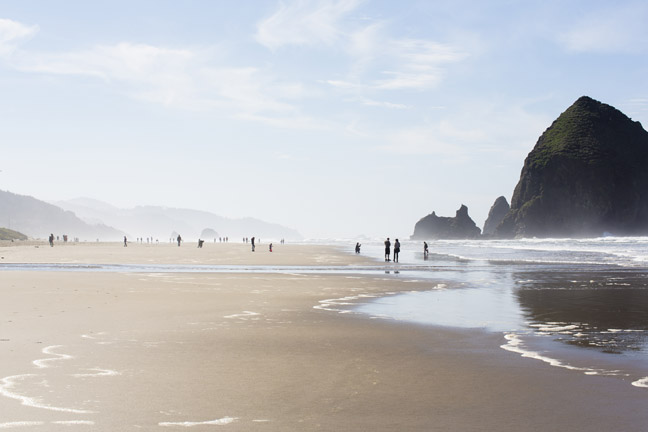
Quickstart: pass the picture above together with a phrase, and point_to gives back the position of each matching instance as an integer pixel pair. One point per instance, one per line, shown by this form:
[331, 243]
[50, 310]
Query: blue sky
[336, 118]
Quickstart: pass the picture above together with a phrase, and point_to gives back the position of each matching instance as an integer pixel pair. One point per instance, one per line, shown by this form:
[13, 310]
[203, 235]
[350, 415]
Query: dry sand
[249, 351]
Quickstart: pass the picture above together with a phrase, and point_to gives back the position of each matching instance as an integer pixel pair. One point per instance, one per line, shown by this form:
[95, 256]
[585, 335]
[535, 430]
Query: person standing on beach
[51, 240]
[252, 244]
[425, 250]
[125, 241]
[396, 250]
[357, 248]
[179, 239]
[387, 249]
[270, 247]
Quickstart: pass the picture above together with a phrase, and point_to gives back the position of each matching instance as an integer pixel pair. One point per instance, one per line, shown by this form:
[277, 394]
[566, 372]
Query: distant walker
[387, 249]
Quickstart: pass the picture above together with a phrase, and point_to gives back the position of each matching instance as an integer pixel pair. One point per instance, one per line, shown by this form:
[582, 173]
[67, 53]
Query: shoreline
[254, 351]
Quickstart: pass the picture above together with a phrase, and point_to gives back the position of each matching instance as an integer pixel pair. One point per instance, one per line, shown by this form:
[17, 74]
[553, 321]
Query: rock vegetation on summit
[587, 175]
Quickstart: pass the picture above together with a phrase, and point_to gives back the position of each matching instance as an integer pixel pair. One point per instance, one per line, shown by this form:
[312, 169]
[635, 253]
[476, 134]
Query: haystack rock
[437, 227]
[587, 175]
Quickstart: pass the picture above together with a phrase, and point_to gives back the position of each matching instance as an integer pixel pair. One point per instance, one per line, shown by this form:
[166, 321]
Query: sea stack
[587, 175]
[496, 215]
[436, 227]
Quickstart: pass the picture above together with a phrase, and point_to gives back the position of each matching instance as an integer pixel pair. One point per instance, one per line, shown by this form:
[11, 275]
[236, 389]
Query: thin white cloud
[383, 104]
[342, 84]
[407, 64]
[378, 61]
[12, 33]
[305, 22]
[472, 130]
[184, 78]
[425, 140]
[618, 28]
[417, 64]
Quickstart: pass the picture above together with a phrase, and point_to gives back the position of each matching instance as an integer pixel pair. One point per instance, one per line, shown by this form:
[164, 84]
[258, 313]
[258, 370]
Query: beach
[128, 349]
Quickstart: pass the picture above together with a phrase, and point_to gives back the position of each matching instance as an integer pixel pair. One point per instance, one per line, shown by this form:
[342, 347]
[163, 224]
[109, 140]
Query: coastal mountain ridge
[89, 220]
[160, 222]
[38, 219]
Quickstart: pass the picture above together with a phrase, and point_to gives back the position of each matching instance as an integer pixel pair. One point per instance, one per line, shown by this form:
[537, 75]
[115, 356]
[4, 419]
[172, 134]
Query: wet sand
[267, 352]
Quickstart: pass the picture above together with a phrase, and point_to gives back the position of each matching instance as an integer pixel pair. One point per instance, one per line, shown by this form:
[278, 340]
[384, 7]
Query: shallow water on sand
[576, 304]
[580, 305]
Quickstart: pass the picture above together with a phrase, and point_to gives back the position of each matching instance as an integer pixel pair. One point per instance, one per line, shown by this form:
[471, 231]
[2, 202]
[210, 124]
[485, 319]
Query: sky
[335, 118]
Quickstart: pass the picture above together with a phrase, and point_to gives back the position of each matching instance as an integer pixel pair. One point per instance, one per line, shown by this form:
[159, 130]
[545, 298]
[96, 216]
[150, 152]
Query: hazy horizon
[334, 118]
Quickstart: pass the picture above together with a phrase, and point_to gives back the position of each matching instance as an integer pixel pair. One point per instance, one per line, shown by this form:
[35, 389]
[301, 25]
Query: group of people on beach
[388, 250]
[397, 247]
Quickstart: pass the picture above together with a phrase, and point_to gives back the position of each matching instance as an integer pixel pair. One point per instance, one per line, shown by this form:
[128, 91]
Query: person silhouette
[425, 250]
[396, 250]
[387, 249]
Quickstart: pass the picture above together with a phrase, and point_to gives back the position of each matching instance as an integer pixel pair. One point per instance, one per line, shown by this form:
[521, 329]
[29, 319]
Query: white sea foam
[99, 373]
[11, 425]
[643, 382]
[74, 422]
[333, 305]
[244, 315]
[218, 422]
[555, 327]
[7, 384]
[515, 344]
[44, 363]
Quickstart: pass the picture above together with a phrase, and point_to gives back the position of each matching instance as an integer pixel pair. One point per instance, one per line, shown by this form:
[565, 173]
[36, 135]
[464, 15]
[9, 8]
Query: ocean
[579, 304]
